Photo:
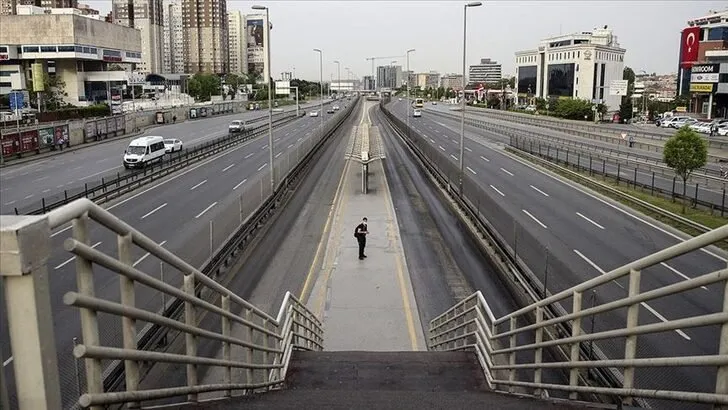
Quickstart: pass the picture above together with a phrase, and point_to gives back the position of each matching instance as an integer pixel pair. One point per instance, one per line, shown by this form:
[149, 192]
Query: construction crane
[373, 59]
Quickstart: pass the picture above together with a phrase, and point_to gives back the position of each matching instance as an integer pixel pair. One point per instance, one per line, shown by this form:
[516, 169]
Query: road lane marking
[238, 185]
[42, 178]
[10, 203]
[29, 196]
[205, 210]
[7, 362]
[589, 220]
[645, 305]
[454, 157]
[677, 272]
[264, 146]
[278, 154]
[249, 155]
[276, 140]
[198, 185]
[539, 191]
[262, 166]
[154, 210]
[535, 219]
[73, 257]
[471, 170]
[441, 147]
[102, 160]
[97, 173]
[484, 158]
[498, 191]
[432, 140]
[62, 230]
[506, 171]
[468, 149]
[299, 140]
[138, 261]
[290, 146]
[454, 141]
[228, 167]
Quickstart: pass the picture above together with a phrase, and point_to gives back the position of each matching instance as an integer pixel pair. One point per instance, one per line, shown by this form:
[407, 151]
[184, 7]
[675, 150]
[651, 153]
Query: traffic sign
[624, 135]
[16, 100]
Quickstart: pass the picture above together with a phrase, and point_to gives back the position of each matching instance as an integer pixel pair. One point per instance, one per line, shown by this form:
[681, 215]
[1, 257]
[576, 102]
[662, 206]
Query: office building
[147, 17]
[368, 82]
[286, 76]
[205, 36]
[390, 76]
[237, 53]
[454, 81]
[487, 72]
[579, 65]
[174, 52]
[257, 45]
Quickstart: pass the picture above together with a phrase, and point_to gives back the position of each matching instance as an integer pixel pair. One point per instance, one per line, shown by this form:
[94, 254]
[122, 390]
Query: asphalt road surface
[26, 183]
[585, 237]
[175, 213]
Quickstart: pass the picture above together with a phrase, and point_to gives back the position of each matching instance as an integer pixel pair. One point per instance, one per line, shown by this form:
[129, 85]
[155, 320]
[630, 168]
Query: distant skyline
[351, 31]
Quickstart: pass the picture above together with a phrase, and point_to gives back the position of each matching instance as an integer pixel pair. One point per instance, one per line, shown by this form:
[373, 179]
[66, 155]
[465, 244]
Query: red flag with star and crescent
[689, 47]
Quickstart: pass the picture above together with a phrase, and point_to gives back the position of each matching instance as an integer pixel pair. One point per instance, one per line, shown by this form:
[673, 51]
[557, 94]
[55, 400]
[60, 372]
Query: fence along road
[217, 193]
[566, 235]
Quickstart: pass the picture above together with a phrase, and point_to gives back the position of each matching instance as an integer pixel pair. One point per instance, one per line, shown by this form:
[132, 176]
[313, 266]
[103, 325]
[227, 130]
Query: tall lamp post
[338, 73]
[462, 102]
[270, 102]
[408, 88]
[321, 84]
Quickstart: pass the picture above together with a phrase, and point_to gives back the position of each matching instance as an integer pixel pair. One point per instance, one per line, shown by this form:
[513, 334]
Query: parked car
[172, 145]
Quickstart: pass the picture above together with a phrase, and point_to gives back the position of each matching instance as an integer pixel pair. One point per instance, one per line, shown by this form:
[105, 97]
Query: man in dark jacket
[360, 233]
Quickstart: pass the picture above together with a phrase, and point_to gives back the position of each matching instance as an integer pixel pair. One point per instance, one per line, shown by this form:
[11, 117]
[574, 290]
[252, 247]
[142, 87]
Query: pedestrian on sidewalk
[360, 233]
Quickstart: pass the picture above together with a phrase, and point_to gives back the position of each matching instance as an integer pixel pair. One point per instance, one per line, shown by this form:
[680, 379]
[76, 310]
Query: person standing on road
[360, 233]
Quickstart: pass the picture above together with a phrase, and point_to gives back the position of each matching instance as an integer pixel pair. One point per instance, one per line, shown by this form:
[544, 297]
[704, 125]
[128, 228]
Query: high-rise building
[237, 52]
[147, 17]
[257, 45]
[580, 65]
[368, 83]
[390, 76]
[487, 72]
[205, 26]
[174, 52]
[454, 81]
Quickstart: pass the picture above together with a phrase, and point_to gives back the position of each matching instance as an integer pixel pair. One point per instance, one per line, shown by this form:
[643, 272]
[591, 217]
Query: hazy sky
[351, 31]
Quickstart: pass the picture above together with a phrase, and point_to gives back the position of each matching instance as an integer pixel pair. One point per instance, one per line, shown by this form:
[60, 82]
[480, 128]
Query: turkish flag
[689, 46]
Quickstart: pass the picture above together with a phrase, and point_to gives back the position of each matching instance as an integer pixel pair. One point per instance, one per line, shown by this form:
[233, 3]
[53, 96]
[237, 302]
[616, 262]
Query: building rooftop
[712, 18]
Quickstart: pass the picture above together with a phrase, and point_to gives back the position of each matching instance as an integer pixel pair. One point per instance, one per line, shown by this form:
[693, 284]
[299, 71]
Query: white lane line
[29, 196]
[645, 305]
[198, 185]
[299, 140]
[10, 203]
[239, 183]
[498, 191]
[539, 191]
[7, 362]
[62, 230]
[264, 146]
[138, 261]
[228, 167]
[97, 173]
[290, 146]
[276, 140]
[506, 171]
[249, 155]
[278, 154]
[72, 258]
[287, 134]
[454, 141]
[677, 272]
[432, 140]
[468, 149]
[484, 158]
[589, 220]
[42, 178]
[102, 160]
[205, 210]
[535, 219]
[454, 157]
[154, 210]
[441, 147]
[471, 170]
[262, 166]
[45, 190]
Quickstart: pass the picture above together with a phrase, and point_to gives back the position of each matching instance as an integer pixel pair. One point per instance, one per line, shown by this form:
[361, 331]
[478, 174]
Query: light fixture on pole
[270, 102]
[408, 88]
[321, 83]
[338, 73]
[462, 102]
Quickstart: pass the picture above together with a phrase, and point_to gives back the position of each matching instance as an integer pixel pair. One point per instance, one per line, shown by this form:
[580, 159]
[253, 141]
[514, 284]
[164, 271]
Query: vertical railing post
[574, 356]
[190, 339]
[128, 325]
[512, 355]
[24, 276]
[630, 345]
[721, 380]
[250, 375]
[89, 319]
[266, 372]
[538, 354]
[226, 331]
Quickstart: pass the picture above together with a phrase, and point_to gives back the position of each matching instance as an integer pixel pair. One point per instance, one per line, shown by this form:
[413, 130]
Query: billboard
[618, 87]
[254, 32]
[701, 88]
[38, 83]
[283, 88]
[690, 40]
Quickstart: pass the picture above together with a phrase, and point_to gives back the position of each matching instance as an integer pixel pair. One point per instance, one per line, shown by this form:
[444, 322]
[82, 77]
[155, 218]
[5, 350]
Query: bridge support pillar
[24, 254]
[364, 178]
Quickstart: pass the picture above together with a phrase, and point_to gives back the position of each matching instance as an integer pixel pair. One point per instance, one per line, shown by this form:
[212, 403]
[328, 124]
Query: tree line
[202, 86]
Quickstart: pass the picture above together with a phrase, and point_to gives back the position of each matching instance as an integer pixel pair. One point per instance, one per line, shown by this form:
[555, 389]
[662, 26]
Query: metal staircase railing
[470, 324]
[268, 342]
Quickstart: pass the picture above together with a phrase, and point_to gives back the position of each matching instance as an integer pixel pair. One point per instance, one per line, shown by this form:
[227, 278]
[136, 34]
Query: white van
[144, 150]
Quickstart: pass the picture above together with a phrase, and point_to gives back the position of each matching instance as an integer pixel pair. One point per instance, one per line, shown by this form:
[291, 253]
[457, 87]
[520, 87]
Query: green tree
[541, 104]
[53, 94]
[625, 109]
[573, 109]
[685, 152]
[202, 86]
[234, 82]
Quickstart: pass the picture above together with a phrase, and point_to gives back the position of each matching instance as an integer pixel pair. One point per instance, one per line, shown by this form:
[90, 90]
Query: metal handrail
[464, 326]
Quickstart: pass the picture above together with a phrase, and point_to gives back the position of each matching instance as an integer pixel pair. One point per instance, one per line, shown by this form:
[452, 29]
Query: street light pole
[462, 102]
[321, 84]
[408, 88]
[270, 102]
[338, 73]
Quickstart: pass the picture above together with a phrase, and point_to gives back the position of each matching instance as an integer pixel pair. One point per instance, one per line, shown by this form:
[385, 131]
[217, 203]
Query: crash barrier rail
[513, 131]
[713, 200]
[267, 342]
[470, 324]
[236, 222]
[561, 124]
[106, 188]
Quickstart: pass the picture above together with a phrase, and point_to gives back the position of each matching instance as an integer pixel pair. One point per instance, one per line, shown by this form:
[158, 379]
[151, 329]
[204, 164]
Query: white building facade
[579, 65]
[237, 52]
[487, 72]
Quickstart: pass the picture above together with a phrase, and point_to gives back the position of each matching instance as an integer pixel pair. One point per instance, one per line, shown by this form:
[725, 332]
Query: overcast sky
[351, 31]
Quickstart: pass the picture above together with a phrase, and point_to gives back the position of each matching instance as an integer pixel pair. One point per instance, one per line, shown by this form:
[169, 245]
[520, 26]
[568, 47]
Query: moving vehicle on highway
[172, 145]
[336, 108]
[143, 151]
[236, 126]
[313, 114]
[330, 110]
[417, 113]
[419, 102]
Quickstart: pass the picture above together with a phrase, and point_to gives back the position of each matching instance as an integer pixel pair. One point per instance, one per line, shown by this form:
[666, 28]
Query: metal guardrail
[470, 324]
[105, 189]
